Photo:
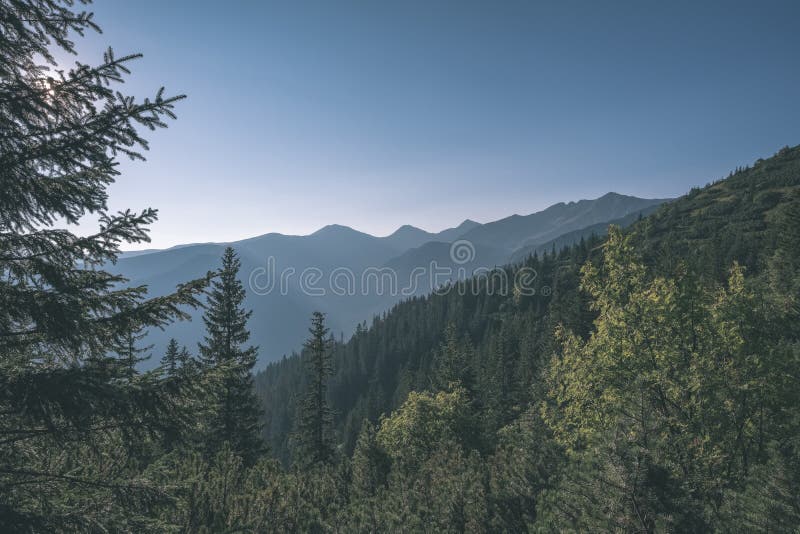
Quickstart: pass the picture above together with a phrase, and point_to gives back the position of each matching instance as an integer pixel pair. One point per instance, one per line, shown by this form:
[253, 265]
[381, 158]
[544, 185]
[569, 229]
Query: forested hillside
[501, 339]
[643, 381]
[282, 296]
[726, 222]
[735, 219]
[734, 240]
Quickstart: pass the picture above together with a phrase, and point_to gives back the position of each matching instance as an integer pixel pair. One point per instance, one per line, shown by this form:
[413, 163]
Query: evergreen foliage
[314, 439]
[170, 360]
[647, 384]
[650, 387]
[130, 350]
[77, 421]
[235, 416]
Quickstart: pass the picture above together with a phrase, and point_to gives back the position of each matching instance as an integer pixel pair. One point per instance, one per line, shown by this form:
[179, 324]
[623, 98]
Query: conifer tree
[370, 463]
[129, 350]
[785, 260]
[236, 417]
[177, 361]
[170, 359]
[453, 364]
[314, 439]
[185, 360]
[173, 373]
[67, 403]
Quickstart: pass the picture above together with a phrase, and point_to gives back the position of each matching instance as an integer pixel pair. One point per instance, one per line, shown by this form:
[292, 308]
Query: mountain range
[352, 276]
[504, 341]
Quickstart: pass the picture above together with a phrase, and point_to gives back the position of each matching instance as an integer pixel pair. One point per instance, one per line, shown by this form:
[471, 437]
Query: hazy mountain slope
[451, 234]
[488, 245]
[278, 324]
[408, 237]
[731, 220]
[518, 231]
[348, 274]
[133, 253]
[435, 264]
[326, 249]
[571, 238]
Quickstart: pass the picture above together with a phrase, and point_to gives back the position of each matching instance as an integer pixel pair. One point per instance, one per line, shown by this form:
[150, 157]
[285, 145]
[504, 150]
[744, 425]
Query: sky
[375, 114]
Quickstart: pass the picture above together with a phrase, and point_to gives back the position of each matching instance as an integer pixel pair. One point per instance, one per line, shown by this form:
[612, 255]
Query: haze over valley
[226, 304]
[374, 273]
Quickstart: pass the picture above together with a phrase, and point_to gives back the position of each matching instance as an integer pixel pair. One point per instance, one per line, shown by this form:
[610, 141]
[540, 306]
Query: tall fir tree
[177, 361]
[186, 363]
[68, 405]
[170, 360]
[129, 349]
[236, 416]
[314, 428]
[453, 363]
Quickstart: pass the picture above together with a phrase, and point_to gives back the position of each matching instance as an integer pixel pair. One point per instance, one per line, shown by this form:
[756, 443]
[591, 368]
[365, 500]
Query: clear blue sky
[375, 114]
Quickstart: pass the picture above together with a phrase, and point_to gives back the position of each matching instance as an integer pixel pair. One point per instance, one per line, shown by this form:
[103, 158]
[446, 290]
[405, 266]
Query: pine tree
[453, 364]
[177, 361]
[185, 361]
[129, 350]
[173, 373]
[314, 439]
[370, 464]
[236, 417]
[169, 361]
[67, 403]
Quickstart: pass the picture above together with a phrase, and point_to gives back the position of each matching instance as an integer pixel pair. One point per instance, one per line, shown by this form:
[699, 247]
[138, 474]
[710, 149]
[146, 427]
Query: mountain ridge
[277, 268]
[731, 221]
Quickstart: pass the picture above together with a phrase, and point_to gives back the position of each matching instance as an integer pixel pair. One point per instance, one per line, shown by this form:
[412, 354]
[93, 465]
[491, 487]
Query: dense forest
[648, 383]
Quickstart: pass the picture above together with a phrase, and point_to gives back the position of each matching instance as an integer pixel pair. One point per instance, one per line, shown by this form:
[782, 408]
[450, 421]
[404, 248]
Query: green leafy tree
[235, 418]
[769, 501]
[669, 398]
[422, 424]
[370, 463]
[520, 470]
[445, 493]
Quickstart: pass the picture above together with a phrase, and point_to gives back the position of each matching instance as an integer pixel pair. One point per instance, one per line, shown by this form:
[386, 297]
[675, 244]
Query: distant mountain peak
[335, 229]
[282, 318]
[406, 237]
[406, 229]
